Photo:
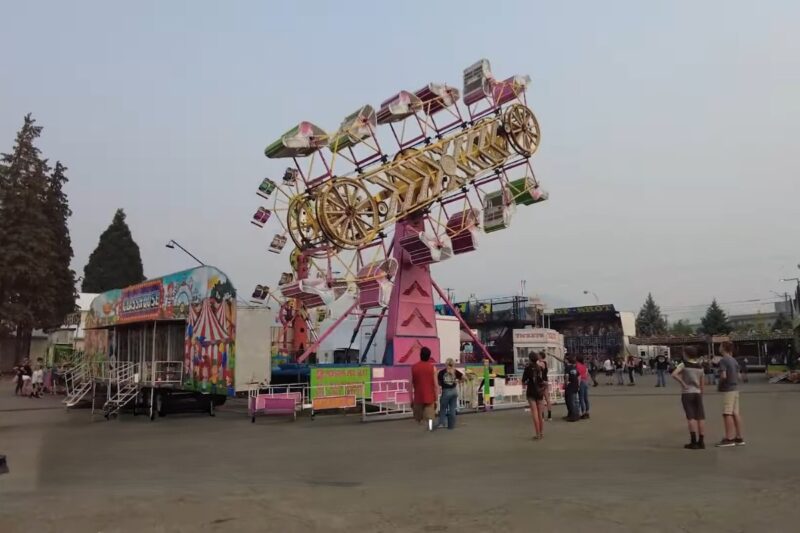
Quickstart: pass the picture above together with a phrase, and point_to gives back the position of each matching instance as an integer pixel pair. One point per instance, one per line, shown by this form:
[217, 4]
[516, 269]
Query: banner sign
[537, 336]
[333, 402]
[605, 308]
[141, 301]
[323, 377]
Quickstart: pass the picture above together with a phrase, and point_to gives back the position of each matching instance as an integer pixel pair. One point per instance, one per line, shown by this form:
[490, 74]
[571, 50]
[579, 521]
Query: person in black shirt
[571, 389]
[662, 366]
[535, 391]
[448, 379]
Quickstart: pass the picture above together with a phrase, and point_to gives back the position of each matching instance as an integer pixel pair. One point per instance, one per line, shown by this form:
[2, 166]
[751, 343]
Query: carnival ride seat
[424, 249]
[290, 176]
[356, 127]
[509, 89]
[302, 140]
[462, 228]
[260, 293]
[314, 292]
[261, 216]
[477, 81]
[266, 188]
[374, 282]
[497, 211]
[277, 244]
[480, 84]
[436, 97]
[526, 191]
[399, 107]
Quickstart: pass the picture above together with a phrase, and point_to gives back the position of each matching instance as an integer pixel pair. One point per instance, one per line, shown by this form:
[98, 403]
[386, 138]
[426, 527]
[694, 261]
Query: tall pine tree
[650, 320]
[33, 283]
[63, 277]
[716, 321]
[116, 262]
[681, 327]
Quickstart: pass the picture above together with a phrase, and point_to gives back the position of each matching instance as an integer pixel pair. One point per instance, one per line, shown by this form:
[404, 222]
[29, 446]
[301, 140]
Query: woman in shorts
[532, 379]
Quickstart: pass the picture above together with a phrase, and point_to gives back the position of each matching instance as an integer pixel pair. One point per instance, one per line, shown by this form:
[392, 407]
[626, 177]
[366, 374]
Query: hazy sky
[669, 129]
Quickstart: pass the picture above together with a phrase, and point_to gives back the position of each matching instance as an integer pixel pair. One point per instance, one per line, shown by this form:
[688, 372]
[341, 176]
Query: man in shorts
[690, 375]
[728, 386]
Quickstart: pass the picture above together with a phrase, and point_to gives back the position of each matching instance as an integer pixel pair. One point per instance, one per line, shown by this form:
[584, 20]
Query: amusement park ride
[368, 222]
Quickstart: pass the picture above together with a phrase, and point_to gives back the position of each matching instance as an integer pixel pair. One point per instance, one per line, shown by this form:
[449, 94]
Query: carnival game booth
[171, 343]
[533, 341]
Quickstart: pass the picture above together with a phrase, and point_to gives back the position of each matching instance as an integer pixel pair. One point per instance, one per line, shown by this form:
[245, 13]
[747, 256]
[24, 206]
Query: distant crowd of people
[429, 385]
[28, 380]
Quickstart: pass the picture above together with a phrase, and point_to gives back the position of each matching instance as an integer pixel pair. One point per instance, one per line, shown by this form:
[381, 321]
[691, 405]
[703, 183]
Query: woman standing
[535, 391]
[449, 379]
[583, 390]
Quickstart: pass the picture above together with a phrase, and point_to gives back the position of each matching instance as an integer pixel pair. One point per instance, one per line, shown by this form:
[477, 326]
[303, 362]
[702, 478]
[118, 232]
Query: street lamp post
[791, 304]
[171, 244]
[596, 299]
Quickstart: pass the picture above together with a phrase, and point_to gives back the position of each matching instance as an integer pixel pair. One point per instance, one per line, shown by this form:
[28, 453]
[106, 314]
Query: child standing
[690, 375]
[37, 379]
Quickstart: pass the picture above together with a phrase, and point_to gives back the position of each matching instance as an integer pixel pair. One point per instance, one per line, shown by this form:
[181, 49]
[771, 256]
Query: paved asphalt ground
[623, 470]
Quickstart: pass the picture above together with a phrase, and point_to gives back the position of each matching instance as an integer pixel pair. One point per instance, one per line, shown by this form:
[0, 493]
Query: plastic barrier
[391, 397]
[276, 400]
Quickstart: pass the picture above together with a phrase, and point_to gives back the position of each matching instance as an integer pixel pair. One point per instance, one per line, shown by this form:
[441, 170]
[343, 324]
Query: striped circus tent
[209, 335]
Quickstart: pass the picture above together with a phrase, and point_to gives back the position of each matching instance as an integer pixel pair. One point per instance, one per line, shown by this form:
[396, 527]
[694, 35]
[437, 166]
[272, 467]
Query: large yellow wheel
[348, 214]
[302, 223]
[522, 129]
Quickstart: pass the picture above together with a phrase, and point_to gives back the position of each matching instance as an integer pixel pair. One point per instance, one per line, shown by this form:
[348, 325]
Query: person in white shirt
[37, 380]
[608, 367]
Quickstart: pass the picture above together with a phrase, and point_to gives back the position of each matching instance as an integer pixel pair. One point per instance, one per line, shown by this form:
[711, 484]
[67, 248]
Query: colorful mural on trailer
[205, 298]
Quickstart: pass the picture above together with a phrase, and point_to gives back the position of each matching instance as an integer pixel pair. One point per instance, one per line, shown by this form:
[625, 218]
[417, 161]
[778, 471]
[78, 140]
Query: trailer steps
[126, 389]
[78, 381]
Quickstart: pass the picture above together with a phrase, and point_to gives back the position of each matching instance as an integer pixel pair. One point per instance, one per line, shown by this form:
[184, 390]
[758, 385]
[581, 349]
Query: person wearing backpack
[449, 379]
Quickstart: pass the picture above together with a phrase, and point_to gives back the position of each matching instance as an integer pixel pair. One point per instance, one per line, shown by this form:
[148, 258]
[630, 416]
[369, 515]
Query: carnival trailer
[172, 339]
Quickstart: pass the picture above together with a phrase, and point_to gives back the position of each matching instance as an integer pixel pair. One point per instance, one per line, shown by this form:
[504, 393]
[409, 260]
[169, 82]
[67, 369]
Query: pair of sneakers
[729, 443]
[695, 446]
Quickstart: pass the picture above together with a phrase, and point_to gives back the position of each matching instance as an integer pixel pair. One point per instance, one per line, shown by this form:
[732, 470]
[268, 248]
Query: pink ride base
[412, 320]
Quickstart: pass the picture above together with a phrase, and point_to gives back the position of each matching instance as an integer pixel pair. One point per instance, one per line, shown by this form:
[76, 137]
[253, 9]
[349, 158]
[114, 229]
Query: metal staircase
[125, 389]
[78, 380]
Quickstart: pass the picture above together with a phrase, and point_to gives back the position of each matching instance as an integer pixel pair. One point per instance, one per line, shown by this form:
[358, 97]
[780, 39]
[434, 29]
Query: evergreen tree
[716, 321]
[782, 323]
[682, 328]
[650, 320]
[62, 276]
[116, 262]
[27, 241]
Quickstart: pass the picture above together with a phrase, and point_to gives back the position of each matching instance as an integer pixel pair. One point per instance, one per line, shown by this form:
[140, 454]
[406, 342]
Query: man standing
[619, 368]
[423, 384]
[630, 364]
[571, 389]
[662, 365]
[728, 386]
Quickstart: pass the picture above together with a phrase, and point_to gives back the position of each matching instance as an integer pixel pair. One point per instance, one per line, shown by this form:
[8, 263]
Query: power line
[734, 302]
